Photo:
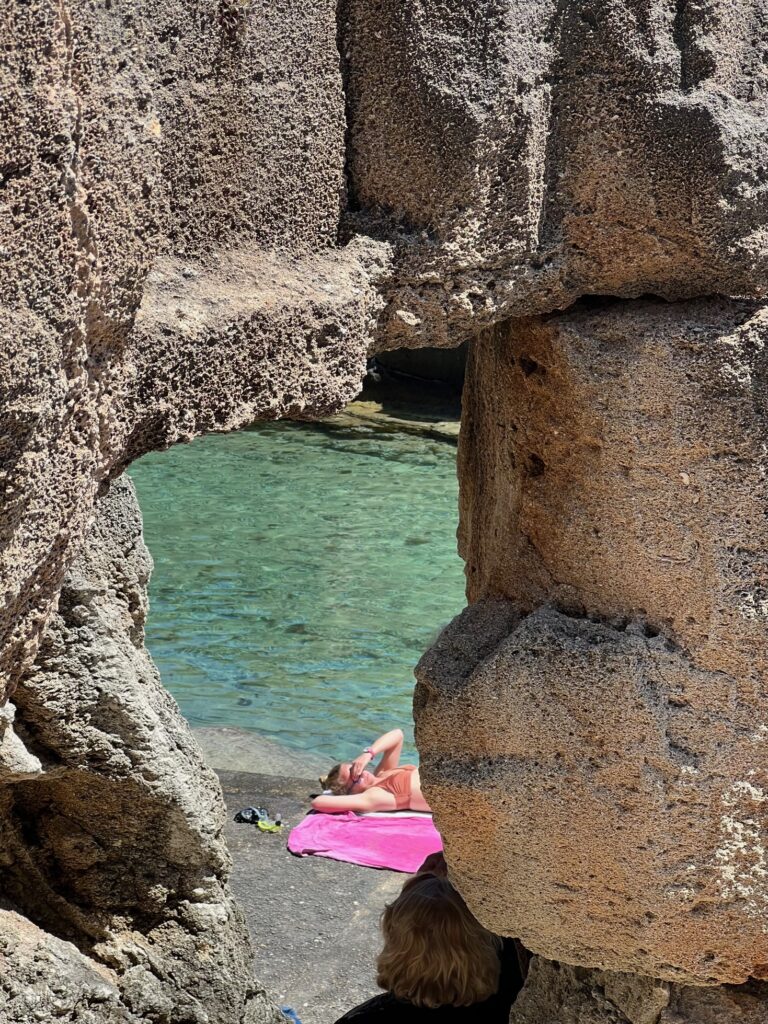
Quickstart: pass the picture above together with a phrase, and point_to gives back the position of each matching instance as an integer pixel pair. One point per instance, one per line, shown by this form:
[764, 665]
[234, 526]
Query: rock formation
[114, 846]
[518, 154]
[573, 995]
[170, 185]
[210, 212]
[170, 258]
[601, 703]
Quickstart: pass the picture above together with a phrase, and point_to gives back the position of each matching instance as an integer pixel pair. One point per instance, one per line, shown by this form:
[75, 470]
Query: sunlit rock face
[521, 153]
[45, 978]
[210, 212]
[115, 847]
[600, 708]
[613, 464]
[170, 186]
[289, 185]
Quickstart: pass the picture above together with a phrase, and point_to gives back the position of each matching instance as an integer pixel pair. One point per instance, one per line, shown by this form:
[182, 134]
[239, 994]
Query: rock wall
[211, 211]
[114, 845]
[573, 995]
[518, 154]
[170, 259]
[171, 181]
[601, 703]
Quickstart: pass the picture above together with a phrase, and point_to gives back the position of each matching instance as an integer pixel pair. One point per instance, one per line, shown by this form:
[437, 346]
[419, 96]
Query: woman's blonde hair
[435, 952]
[332, 782]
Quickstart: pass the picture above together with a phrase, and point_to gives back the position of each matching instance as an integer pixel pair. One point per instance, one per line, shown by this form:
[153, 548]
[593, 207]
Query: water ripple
[299, 575]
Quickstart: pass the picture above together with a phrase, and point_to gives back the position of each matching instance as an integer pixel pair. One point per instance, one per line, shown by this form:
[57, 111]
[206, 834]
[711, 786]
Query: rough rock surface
[521, 153]
[129, 145]
[613, 463]
[116, 844]
[209, 212]
[561, 994]
[747, 1004]
[43, 978]
[608, 717]
[485, 160]
[558, 994]
[630, 839]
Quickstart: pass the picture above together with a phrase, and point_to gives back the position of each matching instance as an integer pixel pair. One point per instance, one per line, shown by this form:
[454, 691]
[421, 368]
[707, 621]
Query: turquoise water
[300, 572]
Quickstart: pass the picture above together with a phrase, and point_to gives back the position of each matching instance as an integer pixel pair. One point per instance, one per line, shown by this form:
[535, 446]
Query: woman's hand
[359, 765]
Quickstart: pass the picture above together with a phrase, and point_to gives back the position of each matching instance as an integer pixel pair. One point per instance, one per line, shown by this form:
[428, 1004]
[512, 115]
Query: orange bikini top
[398, 781]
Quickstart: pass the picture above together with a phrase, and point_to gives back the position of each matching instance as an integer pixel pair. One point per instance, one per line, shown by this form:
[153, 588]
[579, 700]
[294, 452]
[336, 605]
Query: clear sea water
[300, 573]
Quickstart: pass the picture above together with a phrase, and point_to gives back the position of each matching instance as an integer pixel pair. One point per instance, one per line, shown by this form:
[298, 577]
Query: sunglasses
[324, 782]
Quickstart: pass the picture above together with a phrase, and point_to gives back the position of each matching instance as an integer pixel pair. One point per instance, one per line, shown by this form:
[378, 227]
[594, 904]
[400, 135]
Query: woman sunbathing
[389, 787]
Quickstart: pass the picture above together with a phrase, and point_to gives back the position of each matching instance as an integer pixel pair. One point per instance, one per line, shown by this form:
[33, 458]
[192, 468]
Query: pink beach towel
[394, 842]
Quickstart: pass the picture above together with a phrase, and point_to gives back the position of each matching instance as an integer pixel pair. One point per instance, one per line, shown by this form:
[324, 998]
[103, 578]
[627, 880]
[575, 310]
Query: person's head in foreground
[435, 952]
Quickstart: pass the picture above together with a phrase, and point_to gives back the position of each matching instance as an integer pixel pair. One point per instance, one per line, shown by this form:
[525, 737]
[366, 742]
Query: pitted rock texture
[116, 846]
[482, 161]
[286, 334]
[558, 994]
[211, 211]
[521, 153]
[617, 796]
[16, 762]
[747, 1004]
[607, 718]
[43, 978]
[129, 145]
[613, 462]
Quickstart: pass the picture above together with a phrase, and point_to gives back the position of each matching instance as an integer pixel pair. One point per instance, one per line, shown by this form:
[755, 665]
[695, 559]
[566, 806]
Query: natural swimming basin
[300, 572]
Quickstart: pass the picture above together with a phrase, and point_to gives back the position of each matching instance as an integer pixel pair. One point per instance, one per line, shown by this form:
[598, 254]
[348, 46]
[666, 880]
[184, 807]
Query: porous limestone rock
[601, 706]
[129, 144]
[559, 994]
[16, 762]
[116, 846]
[43, 978]
[211, 211]
[610, 824]
[496, 159]
[613, 463]
[521, 153]
[171, 176]
[745, 1004]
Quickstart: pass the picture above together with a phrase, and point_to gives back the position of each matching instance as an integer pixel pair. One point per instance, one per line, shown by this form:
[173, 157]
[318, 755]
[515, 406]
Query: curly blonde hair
[435, 952]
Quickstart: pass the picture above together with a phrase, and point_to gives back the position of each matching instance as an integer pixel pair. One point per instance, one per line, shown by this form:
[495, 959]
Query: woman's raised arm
[390, 745]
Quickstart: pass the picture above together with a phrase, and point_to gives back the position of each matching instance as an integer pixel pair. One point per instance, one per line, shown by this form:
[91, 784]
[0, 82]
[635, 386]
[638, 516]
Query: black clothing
[387, 1008]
